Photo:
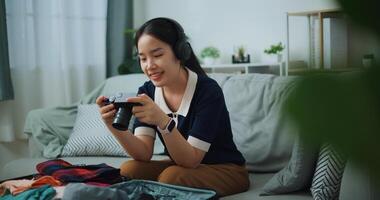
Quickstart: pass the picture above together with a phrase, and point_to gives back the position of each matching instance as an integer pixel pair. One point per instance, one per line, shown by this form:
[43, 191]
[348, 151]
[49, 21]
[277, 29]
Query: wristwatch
[169, 127]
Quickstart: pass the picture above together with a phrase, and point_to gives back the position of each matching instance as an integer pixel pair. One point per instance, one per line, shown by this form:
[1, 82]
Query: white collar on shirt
[186, 99]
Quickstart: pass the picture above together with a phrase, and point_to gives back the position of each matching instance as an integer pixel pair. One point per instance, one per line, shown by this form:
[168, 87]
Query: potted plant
[240, 55]
[241, 52]
[209, 55]
[368, 60]
[275, 49]
[130, 62]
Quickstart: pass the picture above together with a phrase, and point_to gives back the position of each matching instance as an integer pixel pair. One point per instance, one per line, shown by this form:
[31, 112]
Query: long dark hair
[169, 31]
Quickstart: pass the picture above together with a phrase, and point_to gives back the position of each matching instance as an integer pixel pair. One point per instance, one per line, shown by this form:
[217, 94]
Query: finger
[137, 100]
[100, 100]
[137, 109]
[139, 115]
[143, 120]
[107, 108]
[134, 99]
[108, 115]
[144, 97]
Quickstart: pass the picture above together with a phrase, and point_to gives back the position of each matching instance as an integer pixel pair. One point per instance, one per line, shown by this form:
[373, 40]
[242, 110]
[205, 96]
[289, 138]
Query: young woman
[186, 110]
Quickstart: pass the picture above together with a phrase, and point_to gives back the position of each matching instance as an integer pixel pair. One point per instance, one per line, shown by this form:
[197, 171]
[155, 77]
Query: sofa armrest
[35, 150]
[49, 129]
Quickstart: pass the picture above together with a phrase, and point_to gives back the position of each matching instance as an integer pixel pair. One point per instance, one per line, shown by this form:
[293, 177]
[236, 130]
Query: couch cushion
[220, 78]
[257, 182]
[298, 173]
[259, 129]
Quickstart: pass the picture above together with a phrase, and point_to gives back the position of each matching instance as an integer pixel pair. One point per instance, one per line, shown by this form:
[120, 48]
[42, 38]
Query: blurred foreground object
[344, 109]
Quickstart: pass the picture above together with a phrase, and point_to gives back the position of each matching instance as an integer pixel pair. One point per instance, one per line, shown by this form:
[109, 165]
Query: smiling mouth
[155, 75]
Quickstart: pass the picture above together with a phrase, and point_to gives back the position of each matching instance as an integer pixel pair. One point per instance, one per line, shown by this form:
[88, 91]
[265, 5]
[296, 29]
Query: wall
[362, 41]
[256, 24]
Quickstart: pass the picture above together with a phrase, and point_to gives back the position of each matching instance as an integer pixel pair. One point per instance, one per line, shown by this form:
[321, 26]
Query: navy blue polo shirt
[202, 119]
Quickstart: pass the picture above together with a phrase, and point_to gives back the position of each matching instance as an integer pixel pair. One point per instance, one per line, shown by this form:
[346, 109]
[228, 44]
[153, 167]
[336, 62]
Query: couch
[261, 132]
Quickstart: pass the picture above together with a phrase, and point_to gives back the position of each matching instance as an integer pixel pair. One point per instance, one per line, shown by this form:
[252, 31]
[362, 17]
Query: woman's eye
[142, 59]
[159, 55]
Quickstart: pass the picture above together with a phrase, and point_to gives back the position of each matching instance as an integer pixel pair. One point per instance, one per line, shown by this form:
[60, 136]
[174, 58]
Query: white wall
[224, 23]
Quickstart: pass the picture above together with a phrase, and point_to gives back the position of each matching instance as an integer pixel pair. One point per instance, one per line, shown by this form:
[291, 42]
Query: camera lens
[122, 118]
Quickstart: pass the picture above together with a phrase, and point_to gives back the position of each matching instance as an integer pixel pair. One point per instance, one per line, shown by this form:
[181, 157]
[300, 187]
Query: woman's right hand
[106, 111]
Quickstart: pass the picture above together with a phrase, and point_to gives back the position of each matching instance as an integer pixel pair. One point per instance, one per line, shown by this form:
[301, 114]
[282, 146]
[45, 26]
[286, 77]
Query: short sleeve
[209, 120]
[141, 128]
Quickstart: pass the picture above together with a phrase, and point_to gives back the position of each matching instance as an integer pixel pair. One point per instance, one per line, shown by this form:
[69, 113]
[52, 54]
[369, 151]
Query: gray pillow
[90, 136]
[298, 173]
[261, 133]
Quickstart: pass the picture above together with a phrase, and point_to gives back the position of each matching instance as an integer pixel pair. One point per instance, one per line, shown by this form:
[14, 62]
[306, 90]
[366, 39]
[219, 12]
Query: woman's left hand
[149, 112]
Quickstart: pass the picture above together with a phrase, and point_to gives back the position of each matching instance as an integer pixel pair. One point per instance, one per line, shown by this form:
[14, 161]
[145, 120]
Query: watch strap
[168, 128]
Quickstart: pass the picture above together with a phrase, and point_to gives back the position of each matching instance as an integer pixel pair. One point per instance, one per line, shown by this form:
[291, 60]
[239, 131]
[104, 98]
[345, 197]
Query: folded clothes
[45, 192]
[14, 185]
[18, 186]
[66, 172]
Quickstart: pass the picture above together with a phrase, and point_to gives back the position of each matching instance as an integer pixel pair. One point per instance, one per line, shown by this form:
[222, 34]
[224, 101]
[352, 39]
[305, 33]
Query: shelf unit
[244, 68]
[320, 14]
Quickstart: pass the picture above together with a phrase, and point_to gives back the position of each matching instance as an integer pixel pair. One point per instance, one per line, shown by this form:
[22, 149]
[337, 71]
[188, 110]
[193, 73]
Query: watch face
[171, 125]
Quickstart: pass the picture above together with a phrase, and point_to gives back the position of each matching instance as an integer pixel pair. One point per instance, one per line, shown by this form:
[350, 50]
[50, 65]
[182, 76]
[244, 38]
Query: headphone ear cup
[138, 61]
[183, 51]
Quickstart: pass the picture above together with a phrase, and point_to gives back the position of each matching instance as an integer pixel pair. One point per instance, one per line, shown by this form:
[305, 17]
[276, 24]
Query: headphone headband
[181, 48]
[177, 26]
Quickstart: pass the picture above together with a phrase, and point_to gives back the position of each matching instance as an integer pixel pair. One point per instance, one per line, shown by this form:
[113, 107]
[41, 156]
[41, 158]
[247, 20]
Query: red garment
[66, 172]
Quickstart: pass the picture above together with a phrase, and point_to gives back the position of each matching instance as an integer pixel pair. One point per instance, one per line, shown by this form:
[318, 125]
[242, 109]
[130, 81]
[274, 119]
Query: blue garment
[202, 119]
[45, 192]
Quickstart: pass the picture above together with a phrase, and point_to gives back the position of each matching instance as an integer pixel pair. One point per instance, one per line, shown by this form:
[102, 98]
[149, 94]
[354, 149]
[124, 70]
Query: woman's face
[157, 60]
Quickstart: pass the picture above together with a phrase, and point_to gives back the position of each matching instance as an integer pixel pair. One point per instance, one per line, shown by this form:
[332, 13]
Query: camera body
[123, 110]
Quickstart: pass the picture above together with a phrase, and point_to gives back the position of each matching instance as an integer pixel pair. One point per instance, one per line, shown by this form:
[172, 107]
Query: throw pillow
[91, 137]
[262, 133]
[328, 174]
[298, 173]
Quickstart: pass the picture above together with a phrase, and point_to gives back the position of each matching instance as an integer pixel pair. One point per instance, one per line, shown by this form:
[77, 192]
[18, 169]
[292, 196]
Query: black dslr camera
[123, 110]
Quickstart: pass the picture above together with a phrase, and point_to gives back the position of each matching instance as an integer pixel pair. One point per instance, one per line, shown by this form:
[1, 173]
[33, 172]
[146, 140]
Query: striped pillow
[328, 174]
[90, 136]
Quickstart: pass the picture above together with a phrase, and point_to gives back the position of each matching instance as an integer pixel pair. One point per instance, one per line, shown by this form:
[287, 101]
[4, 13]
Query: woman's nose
[150, 63]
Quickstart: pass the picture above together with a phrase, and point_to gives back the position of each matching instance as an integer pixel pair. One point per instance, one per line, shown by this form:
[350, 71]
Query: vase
[273, 58]
[279, 57]
[208, 61]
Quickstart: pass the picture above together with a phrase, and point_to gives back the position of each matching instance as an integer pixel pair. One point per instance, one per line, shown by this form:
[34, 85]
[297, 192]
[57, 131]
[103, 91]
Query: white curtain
[57, 55]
